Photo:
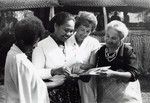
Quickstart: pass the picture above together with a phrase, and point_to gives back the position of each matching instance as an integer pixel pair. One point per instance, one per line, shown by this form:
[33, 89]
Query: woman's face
[112, 38]
[82, 32]
[63, 32]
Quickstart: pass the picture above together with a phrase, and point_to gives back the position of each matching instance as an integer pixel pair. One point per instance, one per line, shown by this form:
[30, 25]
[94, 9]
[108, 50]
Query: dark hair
[60, 19]
[28, 29]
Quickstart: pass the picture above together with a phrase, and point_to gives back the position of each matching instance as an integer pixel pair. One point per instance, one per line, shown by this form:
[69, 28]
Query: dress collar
[16, 48]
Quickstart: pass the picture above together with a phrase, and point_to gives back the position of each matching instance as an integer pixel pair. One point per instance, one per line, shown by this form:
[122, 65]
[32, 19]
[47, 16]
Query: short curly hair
[86, 18]
[28, 29]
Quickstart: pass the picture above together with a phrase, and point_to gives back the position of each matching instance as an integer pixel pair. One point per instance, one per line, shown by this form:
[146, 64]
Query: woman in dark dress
[119, 83]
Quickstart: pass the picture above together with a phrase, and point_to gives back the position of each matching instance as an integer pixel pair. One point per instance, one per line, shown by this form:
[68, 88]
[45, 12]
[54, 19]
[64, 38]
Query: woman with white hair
[119, 83]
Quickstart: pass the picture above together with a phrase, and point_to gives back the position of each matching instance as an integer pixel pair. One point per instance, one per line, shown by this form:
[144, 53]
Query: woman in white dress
[22, 82]
[86, 23]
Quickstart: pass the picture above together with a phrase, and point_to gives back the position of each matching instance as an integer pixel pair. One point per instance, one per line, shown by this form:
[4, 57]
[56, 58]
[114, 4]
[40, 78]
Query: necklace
[110, 56]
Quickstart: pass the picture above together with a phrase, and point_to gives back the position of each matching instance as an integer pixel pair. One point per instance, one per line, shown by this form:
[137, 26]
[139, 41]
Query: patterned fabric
[54, 55]
[112, 90]
[116, 91]
[66, 93]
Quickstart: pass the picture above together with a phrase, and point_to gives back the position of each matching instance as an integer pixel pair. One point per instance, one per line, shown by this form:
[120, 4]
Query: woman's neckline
[58, 42]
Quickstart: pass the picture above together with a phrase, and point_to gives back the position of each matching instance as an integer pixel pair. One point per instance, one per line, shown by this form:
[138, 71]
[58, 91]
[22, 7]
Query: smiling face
[83, 31]
[63, 32]
[112, 38]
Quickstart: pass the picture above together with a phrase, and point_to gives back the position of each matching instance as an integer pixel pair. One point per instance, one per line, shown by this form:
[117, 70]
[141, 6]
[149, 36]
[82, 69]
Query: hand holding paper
[96, 71]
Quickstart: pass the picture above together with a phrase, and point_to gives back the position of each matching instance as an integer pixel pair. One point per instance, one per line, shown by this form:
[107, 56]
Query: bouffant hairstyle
[86, 18]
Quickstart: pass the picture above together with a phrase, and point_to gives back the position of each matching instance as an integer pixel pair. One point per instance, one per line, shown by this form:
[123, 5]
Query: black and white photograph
[74, 51]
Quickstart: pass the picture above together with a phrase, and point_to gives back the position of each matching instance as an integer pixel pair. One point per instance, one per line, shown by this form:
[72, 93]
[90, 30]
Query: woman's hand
[60, 71]
[107, 73]
[56, 80]
[120, 75]
[76, 68]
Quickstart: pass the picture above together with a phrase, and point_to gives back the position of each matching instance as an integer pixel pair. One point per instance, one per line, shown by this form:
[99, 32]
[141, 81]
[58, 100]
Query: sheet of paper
[95, 71]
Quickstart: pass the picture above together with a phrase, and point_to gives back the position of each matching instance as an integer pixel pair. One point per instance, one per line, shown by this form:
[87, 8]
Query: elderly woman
[119, 83]
[86, 23]
[22, 83]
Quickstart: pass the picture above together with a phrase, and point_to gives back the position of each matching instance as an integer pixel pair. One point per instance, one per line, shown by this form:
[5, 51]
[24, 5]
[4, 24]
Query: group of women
[54, 75]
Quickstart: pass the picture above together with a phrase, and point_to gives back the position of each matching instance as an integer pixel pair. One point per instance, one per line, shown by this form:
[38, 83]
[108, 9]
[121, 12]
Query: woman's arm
[93, 57]
[124, 76]
[131, 60]
[130, 71]
[38, 60]
[78, 68]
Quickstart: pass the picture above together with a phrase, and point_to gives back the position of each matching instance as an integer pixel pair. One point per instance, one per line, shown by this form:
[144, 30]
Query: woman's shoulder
[128, 46]
[45, 41]
[101, 49]
[92, 39]
[128, 49]
[93, 42]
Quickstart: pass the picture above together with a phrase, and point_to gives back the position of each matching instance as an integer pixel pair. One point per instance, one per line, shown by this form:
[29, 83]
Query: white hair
[119, 26]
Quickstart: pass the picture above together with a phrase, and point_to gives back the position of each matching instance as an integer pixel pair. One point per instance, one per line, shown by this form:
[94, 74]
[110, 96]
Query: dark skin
[60, 35]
